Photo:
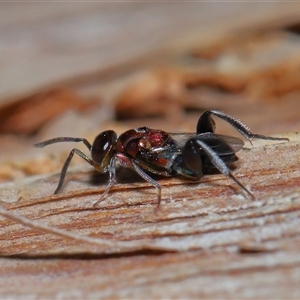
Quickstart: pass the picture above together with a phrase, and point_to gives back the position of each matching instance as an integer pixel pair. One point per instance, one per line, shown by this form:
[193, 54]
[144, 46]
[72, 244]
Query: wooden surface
[205, 234]
[208, 240]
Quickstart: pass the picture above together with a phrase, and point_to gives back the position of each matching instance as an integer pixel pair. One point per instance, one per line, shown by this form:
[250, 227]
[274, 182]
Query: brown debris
[45, 164]
[268, 60]
[163, 91]
[27, 115]
[277, 82]
[243, 69]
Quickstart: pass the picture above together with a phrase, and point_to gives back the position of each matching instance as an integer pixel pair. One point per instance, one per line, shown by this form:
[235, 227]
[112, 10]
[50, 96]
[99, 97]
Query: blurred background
[78, 68]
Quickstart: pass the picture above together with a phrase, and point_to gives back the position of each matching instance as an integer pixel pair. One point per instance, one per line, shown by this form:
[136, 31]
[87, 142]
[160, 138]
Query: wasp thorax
[144, 143]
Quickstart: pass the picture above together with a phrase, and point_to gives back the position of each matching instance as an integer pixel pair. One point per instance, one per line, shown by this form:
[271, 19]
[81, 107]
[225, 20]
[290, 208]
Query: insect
[155, 151]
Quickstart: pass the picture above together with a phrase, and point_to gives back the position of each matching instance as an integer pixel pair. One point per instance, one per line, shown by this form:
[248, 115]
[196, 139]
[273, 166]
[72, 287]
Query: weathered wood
[205, 234]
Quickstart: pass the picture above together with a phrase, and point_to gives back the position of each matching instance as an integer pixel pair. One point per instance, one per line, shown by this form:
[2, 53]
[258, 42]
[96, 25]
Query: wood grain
[205, 234]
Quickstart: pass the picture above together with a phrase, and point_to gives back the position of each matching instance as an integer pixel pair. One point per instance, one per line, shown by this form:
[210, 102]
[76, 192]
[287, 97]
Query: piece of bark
[159, 92]
[206, 234]
[250, 69]
[27, 115]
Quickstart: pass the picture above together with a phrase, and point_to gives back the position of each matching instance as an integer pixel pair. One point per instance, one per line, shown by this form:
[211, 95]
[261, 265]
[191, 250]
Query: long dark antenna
[63, 139]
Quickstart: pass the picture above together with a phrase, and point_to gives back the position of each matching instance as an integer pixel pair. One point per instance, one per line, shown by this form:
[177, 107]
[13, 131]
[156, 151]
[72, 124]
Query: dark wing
[217, 142]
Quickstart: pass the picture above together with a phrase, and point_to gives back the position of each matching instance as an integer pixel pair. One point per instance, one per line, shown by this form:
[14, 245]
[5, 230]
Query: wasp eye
[103, 146]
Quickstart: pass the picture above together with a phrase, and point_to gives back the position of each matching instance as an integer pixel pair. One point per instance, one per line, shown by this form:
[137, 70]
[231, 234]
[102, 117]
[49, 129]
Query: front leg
[128, 162]
[66, 165]
[112, 180]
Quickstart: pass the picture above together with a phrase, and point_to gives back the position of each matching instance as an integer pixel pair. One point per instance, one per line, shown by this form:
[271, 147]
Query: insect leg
[217, 161]
[63, 139]
[66, 165]
[150, 180]
[206, 123]
[112, 180]
[235, 123]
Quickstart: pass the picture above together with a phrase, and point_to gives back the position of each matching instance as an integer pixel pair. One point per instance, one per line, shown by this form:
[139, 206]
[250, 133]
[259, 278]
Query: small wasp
[155, 151]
